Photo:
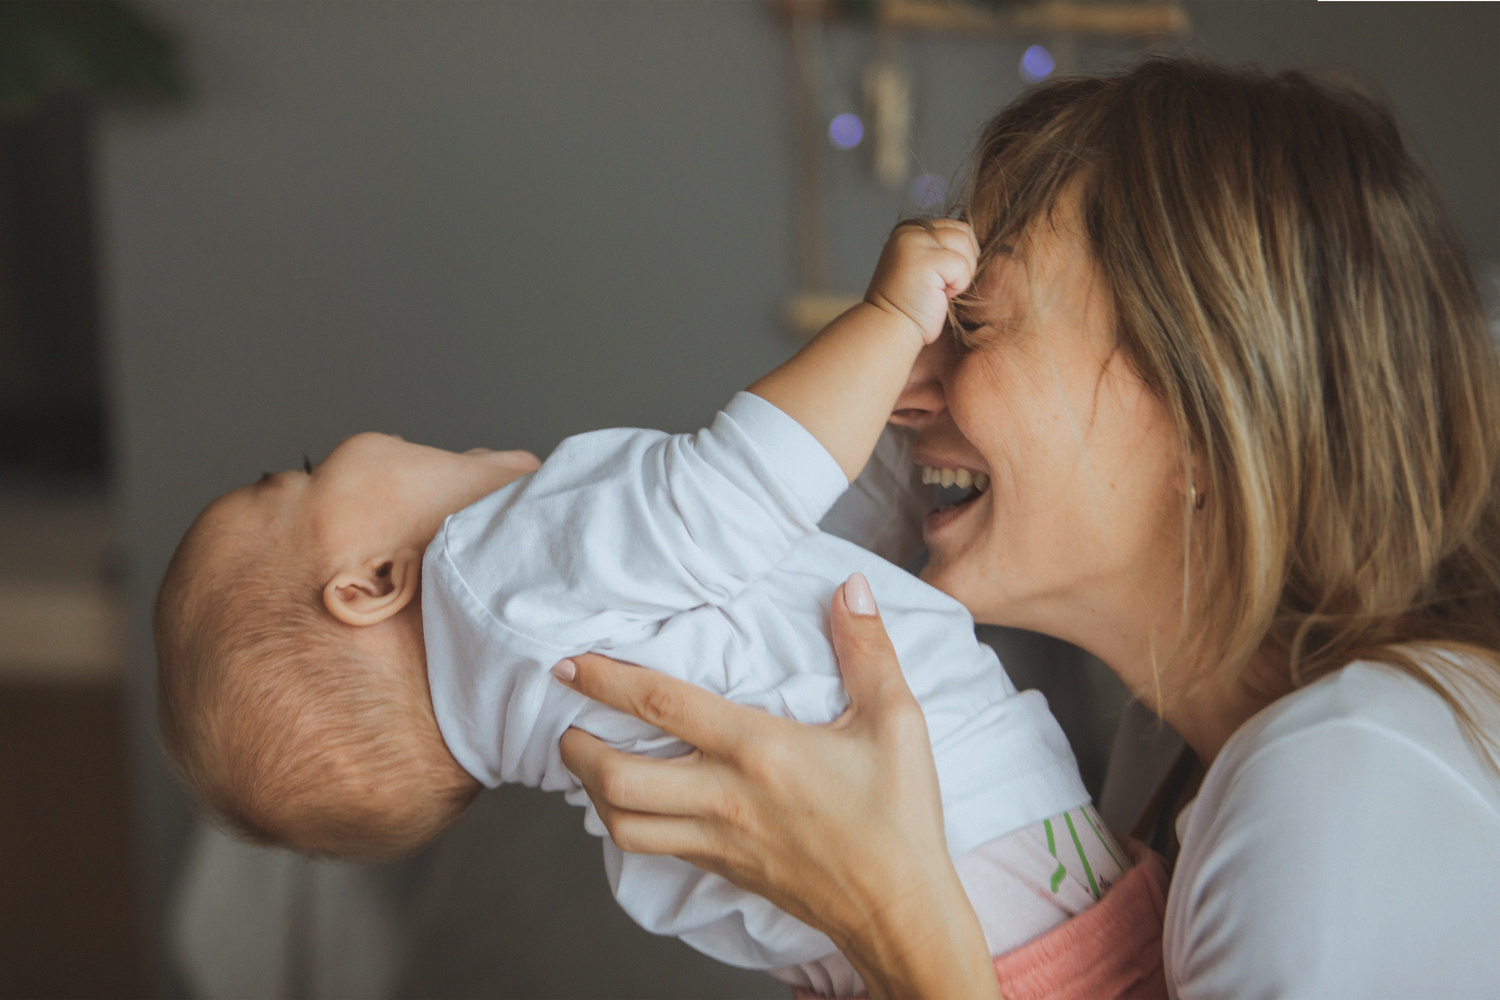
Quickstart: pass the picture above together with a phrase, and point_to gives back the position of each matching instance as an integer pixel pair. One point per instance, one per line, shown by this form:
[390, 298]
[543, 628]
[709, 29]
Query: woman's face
[1079, 531]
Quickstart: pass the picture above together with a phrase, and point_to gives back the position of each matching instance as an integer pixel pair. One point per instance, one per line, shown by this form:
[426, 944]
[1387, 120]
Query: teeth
[962, 478]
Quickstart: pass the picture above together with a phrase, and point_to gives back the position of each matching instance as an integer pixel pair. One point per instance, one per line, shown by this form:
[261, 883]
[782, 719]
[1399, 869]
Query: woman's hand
[840, 825]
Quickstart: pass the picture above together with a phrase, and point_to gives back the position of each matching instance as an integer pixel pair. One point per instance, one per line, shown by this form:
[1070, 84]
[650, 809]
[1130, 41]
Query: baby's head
[293, 681]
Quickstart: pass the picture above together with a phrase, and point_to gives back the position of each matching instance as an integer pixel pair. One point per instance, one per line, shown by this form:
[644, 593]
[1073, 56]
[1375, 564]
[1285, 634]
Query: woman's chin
[951, 530]
[945, 571]
[957, 543]
[951, 580]
[933, 574]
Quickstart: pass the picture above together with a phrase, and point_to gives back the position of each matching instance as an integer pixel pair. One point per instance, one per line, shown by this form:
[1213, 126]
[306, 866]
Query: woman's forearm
[922, 942]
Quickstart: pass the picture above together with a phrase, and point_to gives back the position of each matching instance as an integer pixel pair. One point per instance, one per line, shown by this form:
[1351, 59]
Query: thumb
[867, 660]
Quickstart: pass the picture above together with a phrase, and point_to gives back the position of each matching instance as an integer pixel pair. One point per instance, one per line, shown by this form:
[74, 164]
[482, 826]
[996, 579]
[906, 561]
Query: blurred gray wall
[501, 224]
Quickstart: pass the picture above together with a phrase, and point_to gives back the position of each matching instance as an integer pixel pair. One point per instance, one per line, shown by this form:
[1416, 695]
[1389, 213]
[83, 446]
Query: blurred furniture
[69, 890]
[57, 63]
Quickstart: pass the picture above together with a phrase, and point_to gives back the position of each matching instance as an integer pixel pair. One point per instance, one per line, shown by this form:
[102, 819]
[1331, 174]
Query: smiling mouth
[956, 487]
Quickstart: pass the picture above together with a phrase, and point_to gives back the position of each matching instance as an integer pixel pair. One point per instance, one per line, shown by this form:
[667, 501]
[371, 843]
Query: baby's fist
[920, 269]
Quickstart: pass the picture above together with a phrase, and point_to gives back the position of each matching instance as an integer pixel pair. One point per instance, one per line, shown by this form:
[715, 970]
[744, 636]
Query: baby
[344, 664]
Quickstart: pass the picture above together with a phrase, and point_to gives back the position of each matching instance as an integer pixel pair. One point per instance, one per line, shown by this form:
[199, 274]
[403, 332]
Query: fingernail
[565, 670]
[858, 597]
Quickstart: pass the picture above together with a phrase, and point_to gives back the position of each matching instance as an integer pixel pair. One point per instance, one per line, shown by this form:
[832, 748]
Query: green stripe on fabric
[1093, 886]
[1061, 872]
[1103, 839]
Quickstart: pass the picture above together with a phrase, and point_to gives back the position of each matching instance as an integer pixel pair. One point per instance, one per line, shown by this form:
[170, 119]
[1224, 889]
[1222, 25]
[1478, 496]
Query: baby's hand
[920, 269]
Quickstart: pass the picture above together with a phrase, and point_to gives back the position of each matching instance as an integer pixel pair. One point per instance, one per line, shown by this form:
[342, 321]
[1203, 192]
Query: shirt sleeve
[1344, 861]
[618, 531]
[882, 510]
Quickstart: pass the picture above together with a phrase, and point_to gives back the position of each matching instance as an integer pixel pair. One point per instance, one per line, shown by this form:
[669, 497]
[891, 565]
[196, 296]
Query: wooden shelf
[1149, 19]
[1059, 22]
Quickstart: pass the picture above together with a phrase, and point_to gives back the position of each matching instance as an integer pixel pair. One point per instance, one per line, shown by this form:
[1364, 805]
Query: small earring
[1194, 497]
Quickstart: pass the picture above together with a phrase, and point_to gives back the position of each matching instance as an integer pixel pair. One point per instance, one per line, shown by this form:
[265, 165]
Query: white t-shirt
[700, 556]
[1345, 843]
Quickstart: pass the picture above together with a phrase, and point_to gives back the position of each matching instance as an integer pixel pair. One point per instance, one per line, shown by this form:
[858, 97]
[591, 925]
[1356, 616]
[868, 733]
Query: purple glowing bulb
[1037, 64]
[846, 130]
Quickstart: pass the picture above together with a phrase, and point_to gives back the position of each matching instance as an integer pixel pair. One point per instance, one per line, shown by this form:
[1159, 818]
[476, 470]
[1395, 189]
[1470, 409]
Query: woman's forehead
[996, 223]
[1047, 251]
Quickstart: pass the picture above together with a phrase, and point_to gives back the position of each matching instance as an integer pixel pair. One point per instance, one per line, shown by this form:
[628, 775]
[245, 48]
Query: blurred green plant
[97, 49]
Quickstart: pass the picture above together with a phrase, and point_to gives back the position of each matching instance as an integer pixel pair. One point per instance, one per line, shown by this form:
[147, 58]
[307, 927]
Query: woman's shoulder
[1368, 696]
[1368, 740]
[1358, 719]
[1348, 813]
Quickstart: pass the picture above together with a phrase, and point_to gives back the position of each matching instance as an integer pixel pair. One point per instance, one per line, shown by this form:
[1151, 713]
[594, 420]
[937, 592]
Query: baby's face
[373, 492]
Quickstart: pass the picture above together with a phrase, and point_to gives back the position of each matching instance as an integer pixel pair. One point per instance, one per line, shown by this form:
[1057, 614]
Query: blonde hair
[276, 722]
[1288, 283]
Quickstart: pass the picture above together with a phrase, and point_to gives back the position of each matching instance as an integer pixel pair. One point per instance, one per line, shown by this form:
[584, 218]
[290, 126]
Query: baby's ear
[370, 593]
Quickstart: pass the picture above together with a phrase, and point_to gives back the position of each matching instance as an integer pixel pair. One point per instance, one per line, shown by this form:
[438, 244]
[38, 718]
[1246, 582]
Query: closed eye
[966, 327]
[967, 324]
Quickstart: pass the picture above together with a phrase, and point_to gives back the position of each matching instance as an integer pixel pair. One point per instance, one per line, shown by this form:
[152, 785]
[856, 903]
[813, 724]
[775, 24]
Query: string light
[846, 130]
[1037, 64]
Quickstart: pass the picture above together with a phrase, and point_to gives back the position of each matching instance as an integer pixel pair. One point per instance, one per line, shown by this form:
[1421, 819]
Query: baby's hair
[271, 715]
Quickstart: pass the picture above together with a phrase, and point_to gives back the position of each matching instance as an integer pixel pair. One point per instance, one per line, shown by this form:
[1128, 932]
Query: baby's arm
[620, 529]
[842, 386]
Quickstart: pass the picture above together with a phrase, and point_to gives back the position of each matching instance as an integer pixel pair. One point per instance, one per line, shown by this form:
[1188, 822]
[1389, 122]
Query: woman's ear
[374, 591]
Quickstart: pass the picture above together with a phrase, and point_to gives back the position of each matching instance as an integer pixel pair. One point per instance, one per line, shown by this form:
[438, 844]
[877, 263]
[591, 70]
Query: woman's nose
[923, 400]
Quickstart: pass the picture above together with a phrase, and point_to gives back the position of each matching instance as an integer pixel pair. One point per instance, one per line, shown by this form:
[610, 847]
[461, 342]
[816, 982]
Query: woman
[1225, 366]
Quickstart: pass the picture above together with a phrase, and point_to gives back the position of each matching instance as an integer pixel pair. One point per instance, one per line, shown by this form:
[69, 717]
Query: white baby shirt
[699, 555]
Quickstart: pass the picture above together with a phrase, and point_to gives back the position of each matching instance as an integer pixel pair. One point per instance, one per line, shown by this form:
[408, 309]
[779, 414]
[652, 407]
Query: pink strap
[1111, 951]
